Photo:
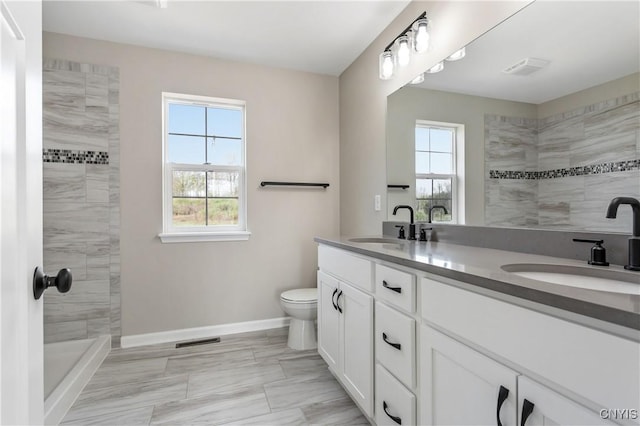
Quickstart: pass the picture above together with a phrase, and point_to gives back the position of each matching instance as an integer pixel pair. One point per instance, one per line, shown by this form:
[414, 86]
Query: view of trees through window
[435, 171]
[204, 151]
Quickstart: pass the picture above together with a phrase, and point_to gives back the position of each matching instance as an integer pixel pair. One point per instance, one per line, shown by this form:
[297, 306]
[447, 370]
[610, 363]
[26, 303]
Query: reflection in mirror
[542, 147]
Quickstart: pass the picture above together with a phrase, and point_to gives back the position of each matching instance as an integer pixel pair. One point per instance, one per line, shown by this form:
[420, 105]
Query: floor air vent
[197, 342]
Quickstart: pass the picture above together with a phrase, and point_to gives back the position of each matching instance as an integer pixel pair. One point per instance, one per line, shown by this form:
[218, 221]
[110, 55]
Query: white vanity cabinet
[345, 322]
[443, 352]
[583, 370]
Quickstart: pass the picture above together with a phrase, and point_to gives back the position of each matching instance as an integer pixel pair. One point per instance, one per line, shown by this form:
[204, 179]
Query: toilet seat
[300, 295]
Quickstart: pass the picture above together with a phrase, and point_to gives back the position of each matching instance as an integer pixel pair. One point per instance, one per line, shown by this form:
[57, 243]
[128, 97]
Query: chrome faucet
[634, 241]
[437, 206]
[412, 225]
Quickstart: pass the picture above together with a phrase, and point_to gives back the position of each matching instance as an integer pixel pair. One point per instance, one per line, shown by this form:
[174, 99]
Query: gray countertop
[480, 268]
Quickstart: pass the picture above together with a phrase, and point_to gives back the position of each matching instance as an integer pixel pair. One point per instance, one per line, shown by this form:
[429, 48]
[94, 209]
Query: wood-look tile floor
[246, 379]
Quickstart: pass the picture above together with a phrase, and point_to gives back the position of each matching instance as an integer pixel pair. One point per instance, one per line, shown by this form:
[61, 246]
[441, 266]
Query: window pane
[223, 184]
[186, 119]
[423, 188]
[226, 152]
[441, 163]
[188, 184]
[422, 139]
[224, 122]
[441, 140]
[422, 210]
[442, 188]
[189, 212]
[422, 162]
[223, 211]
[185, 149]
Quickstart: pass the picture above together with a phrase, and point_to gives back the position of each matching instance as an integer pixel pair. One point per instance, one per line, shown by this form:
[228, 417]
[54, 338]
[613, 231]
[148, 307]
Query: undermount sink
[576, 276]
[378, 240]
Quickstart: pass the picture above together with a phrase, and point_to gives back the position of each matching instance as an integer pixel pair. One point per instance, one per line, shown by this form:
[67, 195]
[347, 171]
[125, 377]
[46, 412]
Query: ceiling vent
[526, 66]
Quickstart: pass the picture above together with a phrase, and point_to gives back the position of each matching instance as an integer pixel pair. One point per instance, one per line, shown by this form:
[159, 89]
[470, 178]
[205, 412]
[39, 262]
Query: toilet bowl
[301, 304]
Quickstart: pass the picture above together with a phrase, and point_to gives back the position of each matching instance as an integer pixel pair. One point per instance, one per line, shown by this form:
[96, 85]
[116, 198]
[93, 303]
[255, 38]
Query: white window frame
[173, 234]
[457, 150]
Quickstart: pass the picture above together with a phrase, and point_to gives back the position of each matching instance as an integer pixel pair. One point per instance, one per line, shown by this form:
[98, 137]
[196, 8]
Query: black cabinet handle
[502, 396]
[396, 289]
[332, 301]
[527, 409]
[394, 418]
[338, 301]
[395, 345]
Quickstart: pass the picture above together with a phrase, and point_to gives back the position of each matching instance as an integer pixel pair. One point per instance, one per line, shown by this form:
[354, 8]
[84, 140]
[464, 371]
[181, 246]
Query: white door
[328, 321]
[462, 386]
[543, 406]
[357, 338]
[21, 344]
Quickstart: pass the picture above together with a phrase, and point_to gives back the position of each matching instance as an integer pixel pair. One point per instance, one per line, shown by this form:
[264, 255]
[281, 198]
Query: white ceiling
[316, 36]
[587, 42]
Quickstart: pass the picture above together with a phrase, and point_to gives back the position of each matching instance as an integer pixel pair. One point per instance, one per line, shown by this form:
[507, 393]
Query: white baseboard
[202, 332]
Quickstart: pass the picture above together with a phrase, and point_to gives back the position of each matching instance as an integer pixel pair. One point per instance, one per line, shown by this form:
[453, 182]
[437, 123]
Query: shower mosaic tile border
[74, 156]
[595, 169]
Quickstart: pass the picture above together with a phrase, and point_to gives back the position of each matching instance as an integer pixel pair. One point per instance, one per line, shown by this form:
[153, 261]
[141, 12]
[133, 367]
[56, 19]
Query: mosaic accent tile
[596, 169]
[74, 156]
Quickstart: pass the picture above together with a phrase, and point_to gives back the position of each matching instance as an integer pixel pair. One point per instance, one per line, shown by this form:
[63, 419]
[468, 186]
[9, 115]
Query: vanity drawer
[396, 287]
[395, 404]
[396, 343]
[346, 267]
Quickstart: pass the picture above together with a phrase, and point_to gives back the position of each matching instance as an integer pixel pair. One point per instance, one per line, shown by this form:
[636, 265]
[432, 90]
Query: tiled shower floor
[250, 378]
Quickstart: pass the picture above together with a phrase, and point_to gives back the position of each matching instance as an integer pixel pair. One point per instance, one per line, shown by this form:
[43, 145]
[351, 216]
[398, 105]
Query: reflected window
[204, 164]
[435, 165]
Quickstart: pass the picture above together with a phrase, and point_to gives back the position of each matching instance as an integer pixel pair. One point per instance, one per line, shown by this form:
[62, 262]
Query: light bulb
[436, 68]
[419, 79]
[457, 55]
[386, 65]
[420, 35]
[403, 52]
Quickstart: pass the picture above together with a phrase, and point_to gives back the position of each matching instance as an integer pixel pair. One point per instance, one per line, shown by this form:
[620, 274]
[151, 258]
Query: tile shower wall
[562, 171]
[81, 192]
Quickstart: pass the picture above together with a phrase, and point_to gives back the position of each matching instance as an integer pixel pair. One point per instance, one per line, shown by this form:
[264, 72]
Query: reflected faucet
[437, 206]
[412, 226]
[634, 241]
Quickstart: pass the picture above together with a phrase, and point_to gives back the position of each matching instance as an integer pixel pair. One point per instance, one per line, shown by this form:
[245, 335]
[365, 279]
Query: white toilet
[302, 305]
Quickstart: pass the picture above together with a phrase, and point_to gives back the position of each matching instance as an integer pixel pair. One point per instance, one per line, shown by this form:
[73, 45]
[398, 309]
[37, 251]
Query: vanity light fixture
[436, 68]
[418, 79]
[457, 55]
[414, 39]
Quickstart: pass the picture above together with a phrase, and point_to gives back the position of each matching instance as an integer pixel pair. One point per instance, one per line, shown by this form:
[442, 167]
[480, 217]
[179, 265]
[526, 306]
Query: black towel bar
[265, 183]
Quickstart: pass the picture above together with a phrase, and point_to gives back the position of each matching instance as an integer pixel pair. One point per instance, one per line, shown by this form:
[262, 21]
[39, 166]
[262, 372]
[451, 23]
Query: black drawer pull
[527, 409]
[396, 289]
[395, 345]
[332, 301]
[502, 396]
[394, 418]
[338, 301]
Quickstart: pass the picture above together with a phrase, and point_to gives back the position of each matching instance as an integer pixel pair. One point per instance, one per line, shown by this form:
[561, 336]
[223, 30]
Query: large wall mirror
[545, 145]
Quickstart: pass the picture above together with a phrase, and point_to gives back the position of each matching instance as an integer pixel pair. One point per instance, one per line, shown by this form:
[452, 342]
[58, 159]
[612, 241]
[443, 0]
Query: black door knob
[41, 281]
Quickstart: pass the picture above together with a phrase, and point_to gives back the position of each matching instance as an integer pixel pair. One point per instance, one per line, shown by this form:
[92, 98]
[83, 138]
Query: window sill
[201, 237]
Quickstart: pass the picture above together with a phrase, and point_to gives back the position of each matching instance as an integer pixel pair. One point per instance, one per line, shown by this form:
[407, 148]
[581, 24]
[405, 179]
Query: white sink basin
[576, 276]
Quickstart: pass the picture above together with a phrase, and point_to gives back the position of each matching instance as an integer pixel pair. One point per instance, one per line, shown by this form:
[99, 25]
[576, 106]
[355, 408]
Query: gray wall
[363, 100]
[292, 134]
[81, 198]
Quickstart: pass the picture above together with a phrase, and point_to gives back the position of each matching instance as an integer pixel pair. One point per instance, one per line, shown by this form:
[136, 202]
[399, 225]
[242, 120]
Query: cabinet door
[461, 386]
[329, 321]
[546, 407]
[357, 340]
